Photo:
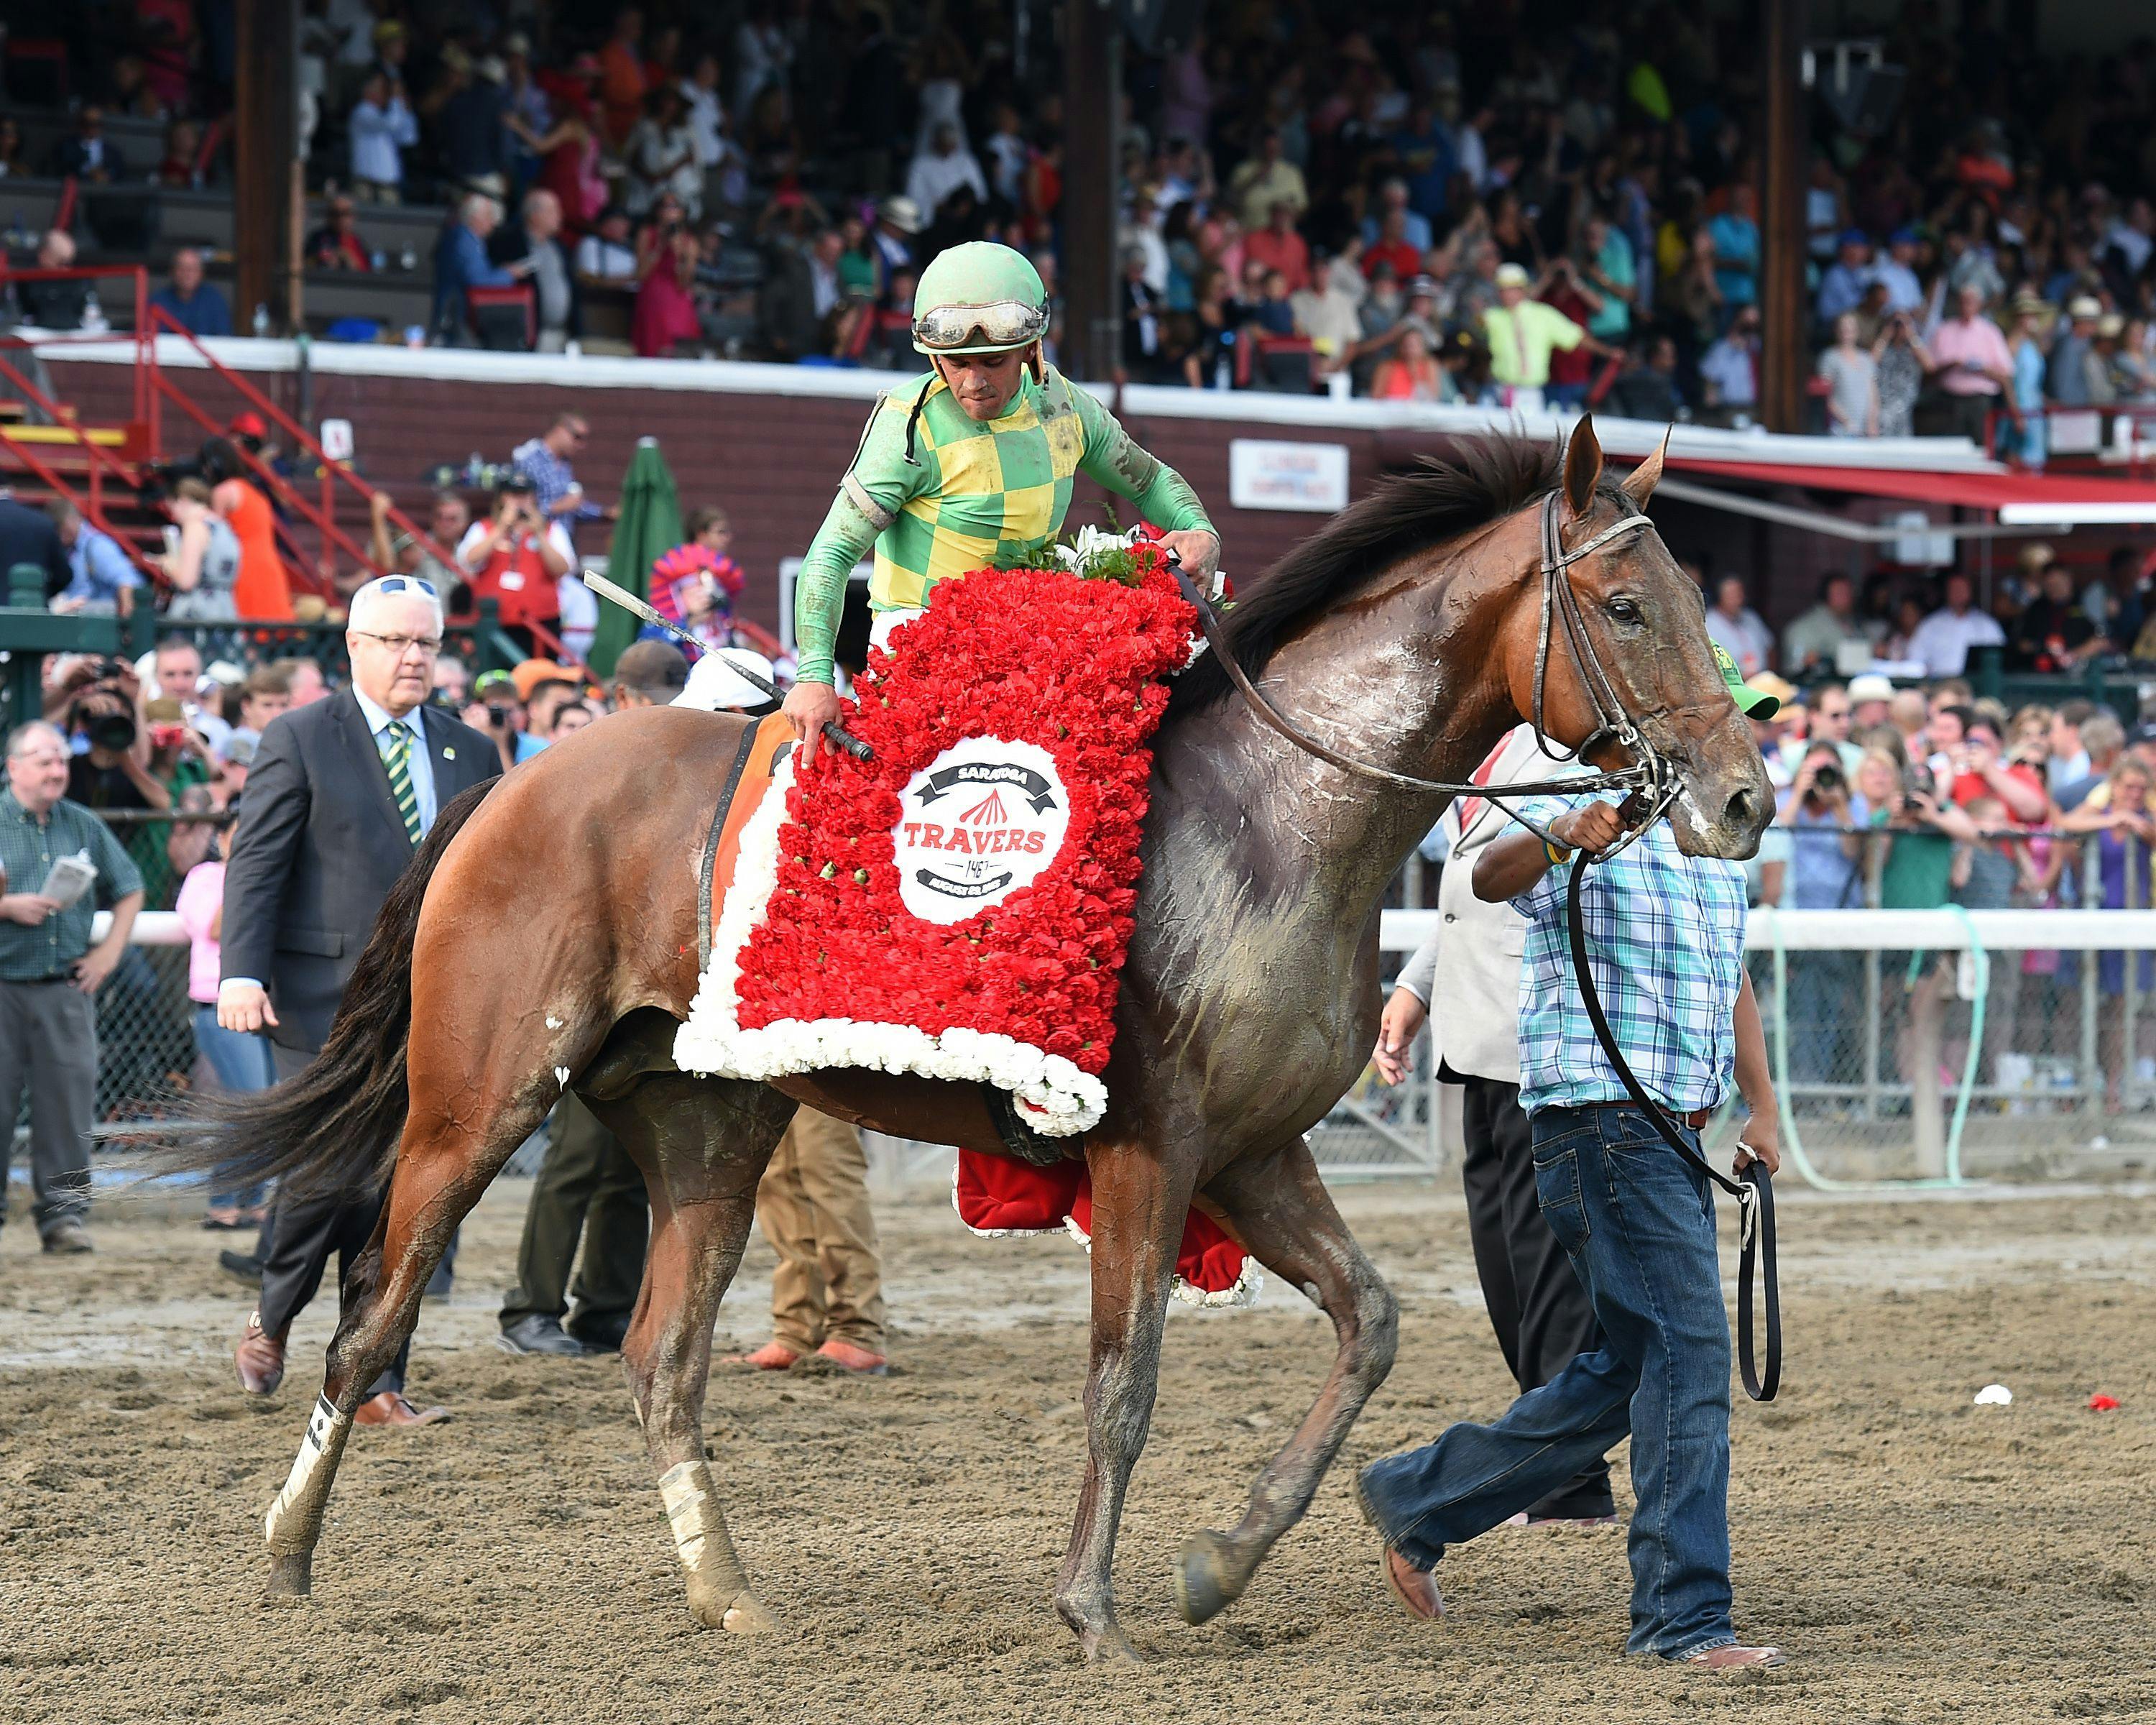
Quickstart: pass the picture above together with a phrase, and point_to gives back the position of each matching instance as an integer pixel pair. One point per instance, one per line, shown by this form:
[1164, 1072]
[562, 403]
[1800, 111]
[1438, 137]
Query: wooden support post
[1092, 106]
[1786, 314]
[265, 148]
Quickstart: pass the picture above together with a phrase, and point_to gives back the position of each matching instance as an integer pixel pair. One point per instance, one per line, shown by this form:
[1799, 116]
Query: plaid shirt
[551, 479]
[29, 848]
[1665, 937]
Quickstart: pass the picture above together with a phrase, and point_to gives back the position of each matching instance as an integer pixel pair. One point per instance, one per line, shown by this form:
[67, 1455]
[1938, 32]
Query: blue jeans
[1638, 1223]
[242, 1064]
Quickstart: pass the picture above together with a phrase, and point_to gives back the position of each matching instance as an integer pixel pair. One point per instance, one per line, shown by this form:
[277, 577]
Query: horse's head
[1646, 622]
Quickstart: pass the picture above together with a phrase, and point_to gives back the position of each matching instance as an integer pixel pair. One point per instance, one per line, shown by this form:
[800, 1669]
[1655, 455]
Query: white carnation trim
[1052, 1095]
[1241, 1291]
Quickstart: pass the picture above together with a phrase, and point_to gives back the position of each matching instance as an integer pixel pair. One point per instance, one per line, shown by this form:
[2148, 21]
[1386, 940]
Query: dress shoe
[1416, 1590]
[260, 1359]
[226, 1220]
[535, 1332]
[847, 1357]
[241, 1266]
[68, 1239]
[391, 1409]
[600, 1335]
[772, 1357]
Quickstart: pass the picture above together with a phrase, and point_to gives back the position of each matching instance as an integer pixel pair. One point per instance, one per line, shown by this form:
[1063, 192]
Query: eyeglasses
[1007, 323]
[399, 645]
[404, 583]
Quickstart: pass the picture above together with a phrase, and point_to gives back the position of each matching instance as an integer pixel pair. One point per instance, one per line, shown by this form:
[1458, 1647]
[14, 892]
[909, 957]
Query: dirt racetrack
[1921, 1559]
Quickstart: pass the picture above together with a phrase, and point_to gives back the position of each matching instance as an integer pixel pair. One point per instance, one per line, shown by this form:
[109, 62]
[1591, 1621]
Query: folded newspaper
[70, 877]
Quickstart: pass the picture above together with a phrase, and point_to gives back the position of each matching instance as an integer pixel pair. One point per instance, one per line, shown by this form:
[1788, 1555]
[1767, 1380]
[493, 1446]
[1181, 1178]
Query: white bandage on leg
[684, 1498]
[323, 1443]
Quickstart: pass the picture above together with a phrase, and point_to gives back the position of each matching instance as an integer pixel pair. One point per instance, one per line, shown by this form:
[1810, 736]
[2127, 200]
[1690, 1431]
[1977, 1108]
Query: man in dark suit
[339, 793]
[89, 155]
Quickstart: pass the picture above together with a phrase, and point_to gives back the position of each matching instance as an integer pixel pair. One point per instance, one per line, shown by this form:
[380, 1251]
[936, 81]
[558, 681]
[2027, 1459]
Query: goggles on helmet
[957, 329]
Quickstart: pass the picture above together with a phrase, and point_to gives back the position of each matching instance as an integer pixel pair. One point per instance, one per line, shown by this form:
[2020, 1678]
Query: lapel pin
[447, 753]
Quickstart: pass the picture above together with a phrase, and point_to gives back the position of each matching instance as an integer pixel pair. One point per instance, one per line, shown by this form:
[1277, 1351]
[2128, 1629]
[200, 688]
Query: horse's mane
[1405, 513]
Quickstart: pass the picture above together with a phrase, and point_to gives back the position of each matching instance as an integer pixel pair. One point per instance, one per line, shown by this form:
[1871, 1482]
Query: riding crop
[840, 736]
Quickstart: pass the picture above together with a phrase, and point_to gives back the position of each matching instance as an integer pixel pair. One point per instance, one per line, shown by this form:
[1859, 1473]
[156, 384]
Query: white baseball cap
[1870, 685]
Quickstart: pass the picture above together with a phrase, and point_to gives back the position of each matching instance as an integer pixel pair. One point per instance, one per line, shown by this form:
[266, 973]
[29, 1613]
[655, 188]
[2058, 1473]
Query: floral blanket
[959, 906]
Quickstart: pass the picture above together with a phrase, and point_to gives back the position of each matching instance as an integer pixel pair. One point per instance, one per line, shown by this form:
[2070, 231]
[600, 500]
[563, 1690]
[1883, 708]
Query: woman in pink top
[241, 1061]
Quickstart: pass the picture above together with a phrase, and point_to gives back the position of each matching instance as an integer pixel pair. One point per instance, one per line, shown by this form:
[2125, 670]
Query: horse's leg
[443, 1162]
[1140, 1201]
[702, 1144]
[1280, 1208]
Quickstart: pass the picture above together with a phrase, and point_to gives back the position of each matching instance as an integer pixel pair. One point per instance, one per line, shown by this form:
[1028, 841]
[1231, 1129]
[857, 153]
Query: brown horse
[545, 938]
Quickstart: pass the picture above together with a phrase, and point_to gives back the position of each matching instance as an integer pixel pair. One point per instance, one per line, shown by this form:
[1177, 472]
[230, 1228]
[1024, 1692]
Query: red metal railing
[151, 388]
[98, 460]
[321, 515]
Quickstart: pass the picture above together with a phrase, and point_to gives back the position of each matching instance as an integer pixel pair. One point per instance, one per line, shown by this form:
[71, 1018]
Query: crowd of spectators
[1911, 799]
[2043, 615]
[1418, 203]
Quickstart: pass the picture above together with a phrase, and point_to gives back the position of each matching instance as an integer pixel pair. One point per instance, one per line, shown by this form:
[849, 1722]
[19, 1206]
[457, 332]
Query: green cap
[978, 298]
[1750, 701]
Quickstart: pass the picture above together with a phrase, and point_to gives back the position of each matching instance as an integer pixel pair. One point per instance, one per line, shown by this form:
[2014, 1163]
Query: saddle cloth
[958, 905]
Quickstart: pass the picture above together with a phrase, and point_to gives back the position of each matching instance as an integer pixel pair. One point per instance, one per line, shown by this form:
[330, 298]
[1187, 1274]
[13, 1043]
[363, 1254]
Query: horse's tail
[336, 1126]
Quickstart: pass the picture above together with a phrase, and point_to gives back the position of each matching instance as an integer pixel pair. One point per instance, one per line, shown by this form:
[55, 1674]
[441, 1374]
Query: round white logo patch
[980, 821]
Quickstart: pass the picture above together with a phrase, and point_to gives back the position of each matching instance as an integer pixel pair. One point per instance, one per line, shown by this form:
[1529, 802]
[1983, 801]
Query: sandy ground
[1921, 1559]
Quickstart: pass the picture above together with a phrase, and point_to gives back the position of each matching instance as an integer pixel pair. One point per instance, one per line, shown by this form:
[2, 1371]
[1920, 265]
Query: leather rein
[1649, 774]
[1650, 785]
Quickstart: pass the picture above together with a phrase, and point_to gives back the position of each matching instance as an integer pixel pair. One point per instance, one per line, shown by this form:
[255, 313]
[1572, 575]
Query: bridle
[1649, 780]
[1650, 783]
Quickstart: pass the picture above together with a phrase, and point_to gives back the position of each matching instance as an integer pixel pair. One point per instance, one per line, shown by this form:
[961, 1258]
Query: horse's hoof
[746, 1616]
[1110, 1646]
[738, 1613]
[1205, 1580]
[291, 1575]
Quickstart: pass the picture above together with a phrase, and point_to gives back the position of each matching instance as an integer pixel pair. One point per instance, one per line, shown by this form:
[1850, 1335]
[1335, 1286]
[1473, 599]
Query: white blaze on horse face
[319, 1447]
[562, 1076]
[684, 1499]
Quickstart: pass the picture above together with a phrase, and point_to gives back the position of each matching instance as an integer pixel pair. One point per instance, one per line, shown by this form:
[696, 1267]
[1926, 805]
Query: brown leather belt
[1696, 1120]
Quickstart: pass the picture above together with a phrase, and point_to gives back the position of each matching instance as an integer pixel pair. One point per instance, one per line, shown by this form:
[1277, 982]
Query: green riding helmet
[978, 298]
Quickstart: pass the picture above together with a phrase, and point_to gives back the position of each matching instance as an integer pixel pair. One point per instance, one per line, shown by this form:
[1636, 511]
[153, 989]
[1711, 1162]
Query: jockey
[969, 466]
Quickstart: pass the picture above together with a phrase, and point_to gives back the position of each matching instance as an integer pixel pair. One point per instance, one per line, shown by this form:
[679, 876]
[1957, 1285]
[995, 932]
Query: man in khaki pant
[827, 1293]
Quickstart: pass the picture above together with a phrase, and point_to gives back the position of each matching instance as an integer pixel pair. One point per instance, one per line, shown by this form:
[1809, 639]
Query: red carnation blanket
[959, 906]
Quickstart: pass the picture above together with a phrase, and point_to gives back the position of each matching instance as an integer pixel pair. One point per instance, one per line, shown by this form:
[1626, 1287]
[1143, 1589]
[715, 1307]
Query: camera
[497, 716]
[1826, 777]
[106, 730]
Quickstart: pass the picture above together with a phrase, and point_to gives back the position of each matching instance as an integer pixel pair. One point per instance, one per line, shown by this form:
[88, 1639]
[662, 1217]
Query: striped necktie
[396, 756]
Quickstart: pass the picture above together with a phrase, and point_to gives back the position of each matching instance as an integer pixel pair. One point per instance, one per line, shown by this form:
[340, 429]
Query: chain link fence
[1905, 1045]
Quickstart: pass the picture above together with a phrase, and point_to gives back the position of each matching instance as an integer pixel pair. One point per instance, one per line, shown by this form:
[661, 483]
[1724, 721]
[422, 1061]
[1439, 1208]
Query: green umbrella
[648, 526]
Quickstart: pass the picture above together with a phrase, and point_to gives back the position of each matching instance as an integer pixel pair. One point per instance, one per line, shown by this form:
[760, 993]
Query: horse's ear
[1639, 485]
[1583, 466]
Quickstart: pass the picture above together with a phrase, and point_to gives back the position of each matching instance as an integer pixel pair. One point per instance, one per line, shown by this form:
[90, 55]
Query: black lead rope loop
[1753, 1189]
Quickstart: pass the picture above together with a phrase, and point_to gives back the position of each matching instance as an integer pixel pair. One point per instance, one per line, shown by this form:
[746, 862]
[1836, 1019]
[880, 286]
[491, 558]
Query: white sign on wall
[1309, 477]
[336, 439]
